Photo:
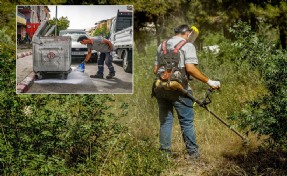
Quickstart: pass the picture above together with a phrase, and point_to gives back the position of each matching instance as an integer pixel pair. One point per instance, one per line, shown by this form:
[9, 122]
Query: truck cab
[121, 36]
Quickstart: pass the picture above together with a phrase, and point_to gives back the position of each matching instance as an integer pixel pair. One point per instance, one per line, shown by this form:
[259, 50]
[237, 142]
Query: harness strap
[179, 45]
[163, 47]
[164, 51]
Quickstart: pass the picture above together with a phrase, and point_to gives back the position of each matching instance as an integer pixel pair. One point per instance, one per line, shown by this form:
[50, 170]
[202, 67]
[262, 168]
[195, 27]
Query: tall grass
[239, 84]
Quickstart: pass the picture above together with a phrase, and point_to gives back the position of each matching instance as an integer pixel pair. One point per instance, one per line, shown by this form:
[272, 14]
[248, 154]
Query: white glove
[213, 84]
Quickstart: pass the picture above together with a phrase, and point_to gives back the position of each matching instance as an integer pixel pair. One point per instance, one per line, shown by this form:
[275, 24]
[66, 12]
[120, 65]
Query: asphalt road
[79, 82]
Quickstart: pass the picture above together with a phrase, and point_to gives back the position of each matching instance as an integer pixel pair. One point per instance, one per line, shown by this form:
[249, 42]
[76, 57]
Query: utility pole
[56, 23]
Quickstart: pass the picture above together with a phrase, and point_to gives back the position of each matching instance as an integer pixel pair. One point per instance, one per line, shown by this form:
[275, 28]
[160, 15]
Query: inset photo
[74, 49]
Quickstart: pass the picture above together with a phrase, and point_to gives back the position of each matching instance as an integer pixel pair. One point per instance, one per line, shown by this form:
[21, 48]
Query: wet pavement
[77, 82]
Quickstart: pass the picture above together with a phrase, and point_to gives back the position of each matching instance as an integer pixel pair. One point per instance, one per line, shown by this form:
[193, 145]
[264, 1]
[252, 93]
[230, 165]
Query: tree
[62, 23]
[103, 31]
[7, 20]
[275, 14]
[267, 115]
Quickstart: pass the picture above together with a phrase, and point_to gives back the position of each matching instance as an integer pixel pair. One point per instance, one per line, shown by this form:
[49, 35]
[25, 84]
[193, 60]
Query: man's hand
[213, 84]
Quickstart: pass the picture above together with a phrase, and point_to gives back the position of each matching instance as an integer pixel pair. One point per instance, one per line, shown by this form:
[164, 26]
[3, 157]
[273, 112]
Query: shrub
[267, 115]
[51, 133]
[64, 134]
[70, 134]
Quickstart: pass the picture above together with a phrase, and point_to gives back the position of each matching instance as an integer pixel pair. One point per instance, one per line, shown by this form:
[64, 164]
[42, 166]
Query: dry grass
[214, 139]
[221, 150]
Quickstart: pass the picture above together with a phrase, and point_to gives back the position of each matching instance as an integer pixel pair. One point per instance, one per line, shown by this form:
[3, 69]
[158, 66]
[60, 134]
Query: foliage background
[57, 134]
[62, 23]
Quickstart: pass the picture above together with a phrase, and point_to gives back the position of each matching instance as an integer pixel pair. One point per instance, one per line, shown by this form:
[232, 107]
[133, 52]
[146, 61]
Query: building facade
[101, 24]
[28, 20]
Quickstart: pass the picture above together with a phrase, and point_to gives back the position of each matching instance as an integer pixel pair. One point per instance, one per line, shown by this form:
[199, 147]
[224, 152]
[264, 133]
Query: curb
[21, 55]
[26, 83]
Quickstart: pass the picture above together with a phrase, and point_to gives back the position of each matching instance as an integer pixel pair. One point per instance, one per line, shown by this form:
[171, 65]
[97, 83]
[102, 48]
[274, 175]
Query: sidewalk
[23, 50]
[24, 70]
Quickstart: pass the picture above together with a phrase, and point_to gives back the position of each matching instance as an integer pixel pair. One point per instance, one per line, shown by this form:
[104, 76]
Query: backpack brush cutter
[174, 85]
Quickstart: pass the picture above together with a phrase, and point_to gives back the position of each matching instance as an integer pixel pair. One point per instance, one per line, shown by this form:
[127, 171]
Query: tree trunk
[155, 21]
[140, 42]
[253, 22]
[282, 36]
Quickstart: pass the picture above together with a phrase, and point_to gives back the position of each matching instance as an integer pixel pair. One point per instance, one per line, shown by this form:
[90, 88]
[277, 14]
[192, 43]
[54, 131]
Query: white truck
[121, 36]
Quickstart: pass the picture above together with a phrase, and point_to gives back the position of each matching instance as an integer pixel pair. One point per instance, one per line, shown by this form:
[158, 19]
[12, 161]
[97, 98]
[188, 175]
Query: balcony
[21, 19]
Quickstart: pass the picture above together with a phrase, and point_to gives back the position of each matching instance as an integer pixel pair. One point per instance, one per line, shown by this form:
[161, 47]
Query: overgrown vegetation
[56, 134]
[242, 81]
[266, 115]
[65, 134]
[118, 135]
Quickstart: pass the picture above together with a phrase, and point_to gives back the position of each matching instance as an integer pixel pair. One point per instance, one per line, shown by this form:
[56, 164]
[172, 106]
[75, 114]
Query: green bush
[103, 31]
[66, 134]
[267, 115]
[51, 133]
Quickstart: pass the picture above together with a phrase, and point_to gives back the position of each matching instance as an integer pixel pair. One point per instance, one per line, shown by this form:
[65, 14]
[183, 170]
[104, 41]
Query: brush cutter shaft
[203, 105]
[226, 124]
[191, 97]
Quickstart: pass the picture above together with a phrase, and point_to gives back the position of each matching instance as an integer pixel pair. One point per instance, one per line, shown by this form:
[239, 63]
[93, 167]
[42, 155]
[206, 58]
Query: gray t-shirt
[187, 52]
[99, 45]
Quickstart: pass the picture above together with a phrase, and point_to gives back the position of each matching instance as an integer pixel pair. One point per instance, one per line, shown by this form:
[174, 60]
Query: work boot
[169, 153]
[192, 157]
[110, 75]
[97, 76]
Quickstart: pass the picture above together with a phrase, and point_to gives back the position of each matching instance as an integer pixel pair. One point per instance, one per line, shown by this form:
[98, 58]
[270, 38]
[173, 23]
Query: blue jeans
[184, 109]
[107, 58]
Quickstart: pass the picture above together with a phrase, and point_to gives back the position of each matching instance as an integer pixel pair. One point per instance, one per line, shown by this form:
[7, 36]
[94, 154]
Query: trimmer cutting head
[245, 142]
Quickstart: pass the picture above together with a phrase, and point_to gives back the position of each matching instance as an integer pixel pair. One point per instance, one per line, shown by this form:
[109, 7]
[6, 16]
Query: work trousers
[107, 59]
[184, 109]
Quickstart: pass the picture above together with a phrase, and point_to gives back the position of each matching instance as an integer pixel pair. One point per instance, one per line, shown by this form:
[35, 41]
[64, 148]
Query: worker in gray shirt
[176, 59]
[105, 47]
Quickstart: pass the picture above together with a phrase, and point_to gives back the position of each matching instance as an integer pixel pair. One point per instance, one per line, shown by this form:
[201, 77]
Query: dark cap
[182, 29]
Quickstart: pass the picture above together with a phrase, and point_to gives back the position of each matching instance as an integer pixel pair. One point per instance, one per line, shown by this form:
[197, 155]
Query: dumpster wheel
[39, 75]
[64, 76]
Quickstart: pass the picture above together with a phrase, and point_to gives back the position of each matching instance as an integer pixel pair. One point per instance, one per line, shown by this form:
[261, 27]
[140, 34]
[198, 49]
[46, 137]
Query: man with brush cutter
[175, 62]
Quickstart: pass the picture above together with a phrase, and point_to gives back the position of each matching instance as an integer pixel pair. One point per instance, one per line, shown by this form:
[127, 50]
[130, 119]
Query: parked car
[79, 51]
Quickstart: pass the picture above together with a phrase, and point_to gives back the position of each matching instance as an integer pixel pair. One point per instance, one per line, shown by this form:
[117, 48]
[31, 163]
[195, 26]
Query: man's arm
[155, 68]
[192, 70]
[88, 56]
[108, 43]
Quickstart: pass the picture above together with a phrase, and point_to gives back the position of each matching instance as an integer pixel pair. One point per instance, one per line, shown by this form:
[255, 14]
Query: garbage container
[51, 54]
